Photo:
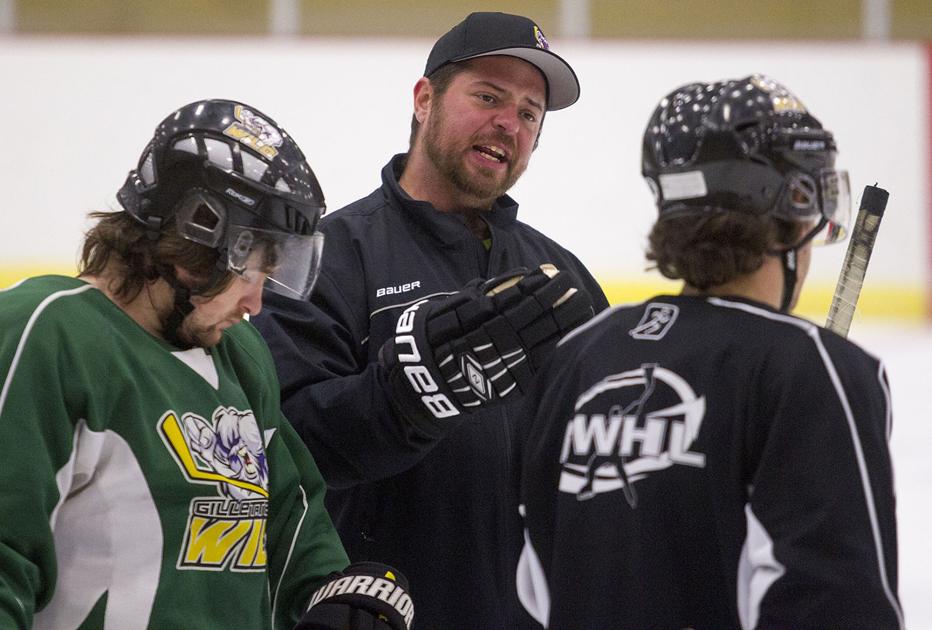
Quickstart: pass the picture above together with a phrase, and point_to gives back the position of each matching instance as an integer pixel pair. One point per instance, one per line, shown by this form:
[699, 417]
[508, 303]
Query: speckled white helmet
[746, 145]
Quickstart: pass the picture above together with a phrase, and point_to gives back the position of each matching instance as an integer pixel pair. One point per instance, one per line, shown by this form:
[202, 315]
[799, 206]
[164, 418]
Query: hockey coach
[433, 489]
[707, 460]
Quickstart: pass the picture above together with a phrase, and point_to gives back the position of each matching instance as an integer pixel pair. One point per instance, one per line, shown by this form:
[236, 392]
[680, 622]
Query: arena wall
[78, 112]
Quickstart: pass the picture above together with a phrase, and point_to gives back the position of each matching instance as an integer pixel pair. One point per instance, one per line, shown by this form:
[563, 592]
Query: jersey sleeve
[303, 545]
[821, 538]
[36, 431]
[336, 400]
[301, 542]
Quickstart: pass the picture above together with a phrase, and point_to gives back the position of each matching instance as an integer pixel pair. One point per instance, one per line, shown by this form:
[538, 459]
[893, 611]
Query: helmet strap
[181, 304]
[788, 258]
[181, 308]
[153, 227]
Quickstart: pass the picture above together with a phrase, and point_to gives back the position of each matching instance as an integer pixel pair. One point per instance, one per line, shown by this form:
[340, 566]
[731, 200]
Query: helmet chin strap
[788, 258]
[182, 305]
[181, 308]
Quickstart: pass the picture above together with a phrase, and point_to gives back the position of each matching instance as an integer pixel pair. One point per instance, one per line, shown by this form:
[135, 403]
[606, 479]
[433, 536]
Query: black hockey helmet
[231, 179]
[745, 145]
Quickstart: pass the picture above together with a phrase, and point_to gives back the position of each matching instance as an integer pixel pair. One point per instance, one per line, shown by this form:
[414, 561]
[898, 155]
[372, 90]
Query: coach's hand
[481, 344]
[364, 596]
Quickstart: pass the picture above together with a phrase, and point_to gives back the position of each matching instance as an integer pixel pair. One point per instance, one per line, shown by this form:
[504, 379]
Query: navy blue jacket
[441, 510]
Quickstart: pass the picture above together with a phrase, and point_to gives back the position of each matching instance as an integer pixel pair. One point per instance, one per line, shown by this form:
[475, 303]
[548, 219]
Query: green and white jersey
[146, 487]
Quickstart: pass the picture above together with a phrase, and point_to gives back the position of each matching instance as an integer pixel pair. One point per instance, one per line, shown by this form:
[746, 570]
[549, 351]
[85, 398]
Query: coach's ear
[423, 99]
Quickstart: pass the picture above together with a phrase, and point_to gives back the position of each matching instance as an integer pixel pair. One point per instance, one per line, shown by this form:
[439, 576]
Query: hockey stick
[860, 246]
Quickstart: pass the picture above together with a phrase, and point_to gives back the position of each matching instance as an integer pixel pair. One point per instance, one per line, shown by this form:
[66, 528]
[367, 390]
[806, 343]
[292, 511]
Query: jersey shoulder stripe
[592, 323]
[30, 324]
[814, 332]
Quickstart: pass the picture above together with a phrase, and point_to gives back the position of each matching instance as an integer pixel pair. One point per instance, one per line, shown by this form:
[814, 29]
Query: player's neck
[145, 307]
[765, 285]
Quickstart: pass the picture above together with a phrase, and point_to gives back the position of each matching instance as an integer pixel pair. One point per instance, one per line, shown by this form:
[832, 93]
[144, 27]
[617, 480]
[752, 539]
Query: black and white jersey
[699, 462]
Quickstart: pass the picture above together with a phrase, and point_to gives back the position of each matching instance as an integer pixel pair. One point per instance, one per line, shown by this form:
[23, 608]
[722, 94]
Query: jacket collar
[446, 227]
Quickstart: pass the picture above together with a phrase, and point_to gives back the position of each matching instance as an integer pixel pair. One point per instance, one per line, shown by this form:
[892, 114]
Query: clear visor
[826, 203]
[835, 193]
[288, 262]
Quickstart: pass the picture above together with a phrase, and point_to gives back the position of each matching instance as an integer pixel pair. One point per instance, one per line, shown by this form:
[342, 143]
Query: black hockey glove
[364, 596]
[477, 346]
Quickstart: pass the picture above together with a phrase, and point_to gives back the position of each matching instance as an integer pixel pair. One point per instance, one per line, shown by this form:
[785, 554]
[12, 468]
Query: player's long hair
[710, 249]
[121, 246]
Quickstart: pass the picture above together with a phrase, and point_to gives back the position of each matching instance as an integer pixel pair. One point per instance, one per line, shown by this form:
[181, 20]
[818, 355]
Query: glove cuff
[371, 586]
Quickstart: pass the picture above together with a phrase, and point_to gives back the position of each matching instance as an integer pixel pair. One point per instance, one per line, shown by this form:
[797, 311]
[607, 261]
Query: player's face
[204, 326]
[480, 133]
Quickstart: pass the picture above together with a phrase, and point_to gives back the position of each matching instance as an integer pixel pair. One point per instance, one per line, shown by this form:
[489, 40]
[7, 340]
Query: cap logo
[255, 132]
[540, 39]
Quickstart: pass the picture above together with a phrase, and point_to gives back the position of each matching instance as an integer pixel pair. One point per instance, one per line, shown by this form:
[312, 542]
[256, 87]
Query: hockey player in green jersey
[150, 479]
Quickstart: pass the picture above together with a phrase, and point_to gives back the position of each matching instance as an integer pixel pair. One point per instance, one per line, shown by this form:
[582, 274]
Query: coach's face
[480, 133]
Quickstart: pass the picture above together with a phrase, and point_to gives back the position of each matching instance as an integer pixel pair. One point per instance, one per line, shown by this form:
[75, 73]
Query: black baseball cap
[484, 34]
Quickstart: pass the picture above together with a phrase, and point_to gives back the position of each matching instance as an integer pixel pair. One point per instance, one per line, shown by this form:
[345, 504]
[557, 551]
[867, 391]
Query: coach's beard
[484, 187]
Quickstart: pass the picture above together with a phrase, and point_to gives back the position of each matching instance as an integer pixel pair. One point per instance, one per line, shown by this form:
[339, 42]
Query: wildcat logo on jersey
[226, 452]
[627, 426]
[657, 319]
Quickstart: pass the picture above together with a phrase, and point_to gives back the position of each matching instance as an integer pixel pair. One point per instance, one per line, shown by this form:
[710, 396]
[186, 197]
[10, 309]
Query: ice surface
[906, 350]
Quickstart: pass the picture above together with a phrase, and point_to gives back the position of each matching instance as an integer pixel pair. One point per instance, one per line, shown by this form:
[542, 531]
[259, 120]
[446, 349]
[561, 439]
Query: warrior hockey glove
[364, 596]
[456, 354]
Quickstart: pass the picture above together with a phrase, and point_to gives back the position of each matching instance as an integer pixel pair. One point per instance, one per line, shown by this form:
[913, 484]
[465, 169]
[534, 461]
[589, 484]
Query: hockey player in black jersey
[707, 460]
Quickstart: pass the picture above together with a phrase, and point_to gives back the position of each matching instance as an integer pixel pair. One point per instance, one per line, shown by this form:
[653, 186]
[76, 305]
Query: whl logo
[628, 426]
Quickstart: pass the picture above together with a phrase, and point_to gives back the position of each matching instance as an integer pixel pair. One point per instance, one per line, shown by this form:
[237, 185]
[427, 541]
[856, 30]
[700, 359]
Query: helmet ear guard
[201, 218]
[744, 186]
